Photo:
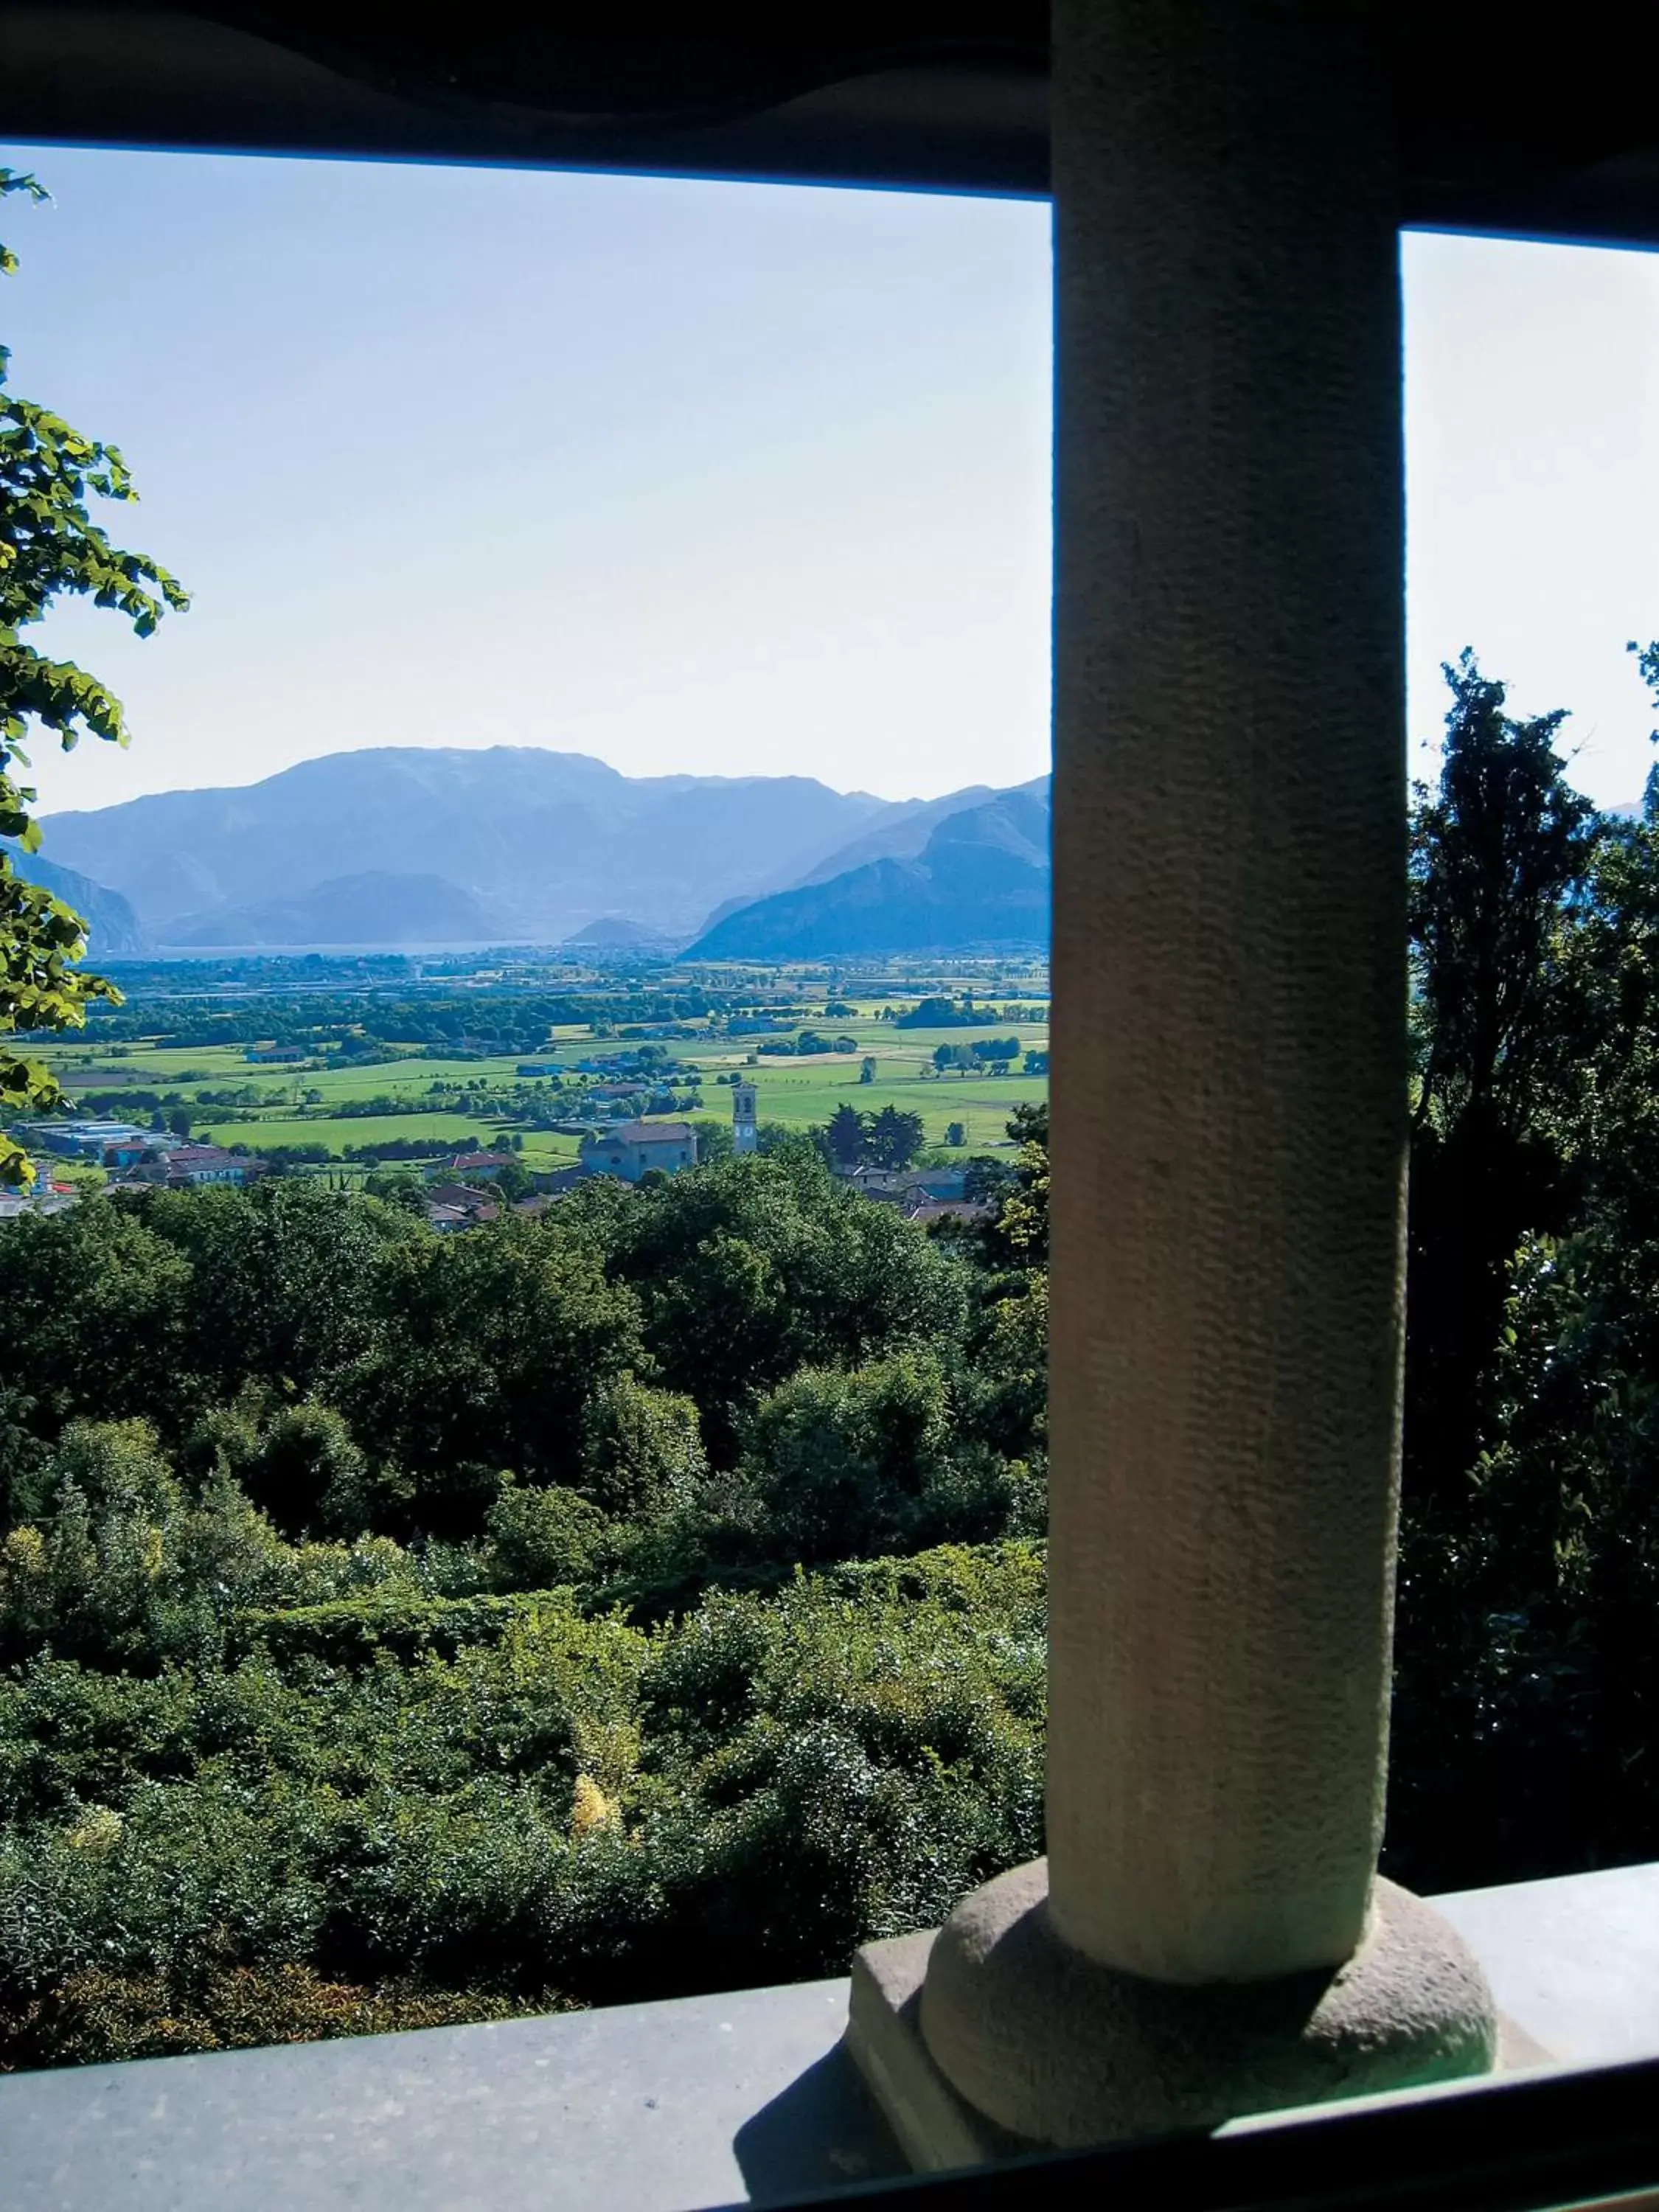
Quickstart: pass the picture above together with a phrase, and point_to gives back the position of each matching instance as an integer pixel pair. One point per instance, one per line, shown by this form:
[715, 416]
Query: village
[463, 1190]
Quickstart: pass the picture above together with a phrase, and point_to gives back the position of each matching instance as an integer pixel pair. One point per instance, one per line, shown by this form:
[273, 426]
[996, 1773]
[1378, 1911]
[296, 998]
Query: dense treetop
[391, 1582]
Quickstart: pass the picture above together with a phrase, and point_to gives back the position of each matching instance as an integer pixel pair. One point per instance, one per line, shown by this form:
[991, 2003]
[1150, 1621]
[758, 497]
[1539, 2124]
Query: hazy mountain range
[981, 883]
[438, 846]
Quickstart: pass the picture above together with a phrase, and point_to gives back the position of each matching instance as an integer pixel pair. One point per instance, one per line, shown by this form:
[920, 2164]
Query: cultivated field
[302, 1105]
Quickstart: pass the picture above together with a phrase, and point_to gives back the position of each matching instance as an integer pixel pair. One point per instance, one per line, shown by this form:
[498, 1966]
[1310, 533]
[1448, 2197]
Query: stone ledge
[938, 2130]
[740, 2099]
[744, 2097]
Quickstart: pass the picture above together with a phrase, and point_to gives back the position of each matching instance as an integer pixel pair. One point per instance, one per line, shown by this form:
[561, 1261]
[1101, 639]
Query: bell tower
[745, 1131]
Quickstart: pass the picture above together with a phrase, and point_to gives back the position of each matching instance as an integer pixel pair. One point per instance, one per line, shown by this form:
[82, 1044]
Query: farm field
[805, 1094]
[368, 1129]
[144, 1066]
[802, 1094]
[307, 1105]
[216, 1067]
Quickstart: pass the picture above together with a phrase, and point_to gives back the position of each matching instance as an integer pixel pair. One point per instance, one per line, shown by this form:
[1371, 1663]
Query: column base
[992, 2038]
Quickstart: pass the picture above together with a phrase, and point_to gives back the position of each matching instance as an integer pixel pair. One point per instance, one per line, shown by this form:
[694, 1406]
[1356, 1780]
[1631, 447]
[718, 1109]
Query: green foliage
[119, 1564]
[297, 1462]
[890, 1139]
[642, 1451]
[1008, 1372]
[713, 1141]
[480, 1353]
[844, 1136]
[509, 1183]
[335, 1834]
[1017, 1234]
[284, 1277]
[996, 1053]
[750, 1270]
[1498, 854]
[539, 1538]
[893, 1138]
[835, 1462]
[320, 1715]
[936, 1013]
[396, 1187]
[50, 548]
[1527, 1686]
[392, 1617]
[1499, 858]
[98, 1307]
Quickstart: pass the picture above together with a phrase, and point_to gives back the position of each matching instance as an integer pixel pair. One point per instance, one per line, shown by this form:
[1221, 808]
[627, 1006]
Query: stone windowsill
[738, 2099]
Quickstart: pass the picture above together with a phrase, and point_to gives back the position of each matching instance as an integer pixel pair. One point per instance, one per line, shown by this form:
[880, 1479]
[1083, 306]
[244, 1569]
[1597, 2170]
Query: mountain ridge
[547, 841]
[903, 838]
[503, 844]
[982, 881]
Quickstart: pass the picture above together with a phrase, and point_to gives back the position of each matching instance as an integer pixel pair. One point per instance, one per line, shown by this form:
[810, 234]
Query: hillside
[543, 841]
[376, 908]
[111, 926]
[981, 883]
[615, 931]
[903, 834]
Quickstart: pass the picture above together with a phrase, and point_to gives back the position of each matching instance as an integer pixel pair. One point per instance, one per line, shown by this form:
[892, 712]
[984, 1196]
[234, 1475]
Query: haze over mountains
[979, 883]
[111, 924]
[440, 846]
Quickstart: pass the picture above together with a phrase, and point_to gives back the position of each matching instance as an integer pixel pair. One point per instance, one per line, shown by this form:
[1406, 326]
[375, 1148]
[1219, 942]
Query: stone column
[1228, 1107]
[1228, 1111]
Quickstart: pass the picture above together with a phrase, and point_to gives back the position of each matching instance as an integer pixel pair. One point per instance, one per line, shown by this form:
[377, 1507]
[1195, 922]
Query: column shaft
[1229, 997]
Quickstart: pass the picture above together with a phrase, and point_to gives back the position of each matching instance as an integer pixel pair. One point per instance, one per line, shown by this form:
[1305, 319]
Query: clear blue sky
[719, 478]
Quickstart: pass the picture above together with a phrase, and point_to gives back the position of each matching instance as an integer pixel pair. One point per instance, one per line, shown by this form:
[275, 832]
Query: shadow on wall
[823, 2131]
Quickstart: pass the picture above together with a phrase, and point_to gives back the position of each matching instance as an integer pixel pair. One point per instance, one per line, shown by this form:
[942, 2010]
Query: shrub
[391, 1812]
[538, 1538]
[834, 1462]
[94, 2015]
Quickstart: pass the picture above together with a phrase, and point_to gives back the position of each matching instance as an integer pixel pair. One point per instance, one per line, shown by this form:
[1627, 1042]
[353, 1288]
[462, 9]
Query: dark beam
[1543, 125]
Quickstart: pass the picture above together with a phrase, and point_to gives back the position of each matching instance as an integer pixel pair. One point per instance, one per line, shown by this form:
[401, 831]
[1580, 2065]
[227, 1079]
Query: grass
[541, 1148]
[370, 1129]
[144, 1066]
[807, 1098]
[543, 1151]
[392, 1079]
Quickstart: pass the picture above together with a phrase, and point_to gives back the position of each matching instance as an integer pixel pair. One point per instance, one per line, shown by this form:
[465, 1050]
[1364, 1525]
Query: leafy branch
[52, 548]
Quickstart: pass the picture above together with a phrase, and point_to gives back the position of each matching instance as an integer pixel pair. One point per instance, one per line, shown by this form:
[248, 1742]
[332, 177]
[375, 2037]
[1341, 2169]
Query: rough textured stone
[1229, 1087]
[1056, 2048]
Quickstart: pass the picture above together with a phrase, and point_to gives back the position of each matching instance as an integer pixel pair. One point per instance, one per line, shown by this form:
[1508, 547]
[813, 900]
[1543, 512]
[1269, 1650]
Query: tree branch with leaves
[50, 548]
